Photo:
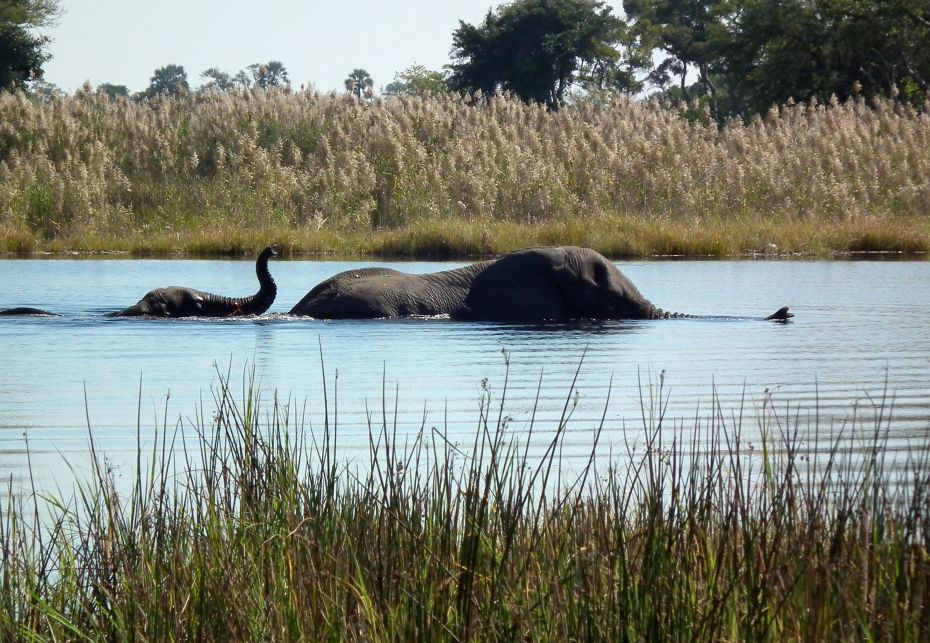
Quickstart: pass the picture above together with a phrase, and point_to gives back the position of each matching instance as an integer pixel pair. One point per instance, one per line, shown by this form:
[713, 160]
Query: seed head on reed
[398, 161]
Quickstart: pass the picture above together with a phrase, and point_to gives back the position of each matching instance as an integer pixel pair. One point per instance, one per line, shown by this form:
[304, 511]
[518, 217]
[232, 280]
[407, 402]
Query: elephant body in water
[370, 293]
[177, 301]
[26, 310]
[531, 285]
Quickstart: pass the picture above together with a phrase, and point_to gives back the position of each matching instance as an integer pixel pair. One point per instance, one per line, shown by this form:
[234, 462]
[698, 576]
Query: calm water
[860, 326]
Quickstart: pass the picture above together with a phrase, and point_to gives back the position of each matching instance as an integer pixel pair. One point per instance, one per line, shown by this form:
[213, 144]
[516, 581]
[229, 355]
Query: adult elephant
[381, 292]
[531, 285]
[176, 301]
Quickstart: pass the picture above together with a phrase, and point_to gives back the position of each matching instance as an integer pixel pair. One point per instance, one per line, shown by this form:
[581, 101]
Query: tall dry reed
[87, 167]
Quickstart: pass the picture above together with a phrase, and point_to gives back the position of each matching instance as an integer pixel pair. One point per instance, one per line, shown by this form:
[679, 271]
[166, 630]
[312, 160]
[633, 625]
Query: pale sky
[123, 41]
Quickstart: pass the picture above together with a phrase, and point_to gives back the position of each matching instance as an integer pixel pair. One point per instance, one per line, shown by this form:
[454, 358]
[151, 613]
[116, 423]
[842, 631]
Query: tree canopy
[737, 57]
[270, 74]
[535, 48]
[686, 32]
[113, 91]
[359, 83]
[22, 51]
[752, 54]
[740, 57]
[218, 80]
[170, 80]
[417, 80]
[259, 75]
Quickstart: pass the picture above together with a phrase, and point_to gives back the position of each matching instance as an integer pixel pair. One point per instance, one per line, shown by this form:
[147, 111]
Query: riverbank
[260, 532]
[615, 237]
[220, 174]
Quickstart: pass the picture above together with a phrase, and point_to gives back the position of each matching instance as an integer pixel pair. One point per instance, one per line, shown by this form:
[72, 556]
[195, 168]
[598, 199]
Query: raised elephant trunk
[176, 301]
[267, 289]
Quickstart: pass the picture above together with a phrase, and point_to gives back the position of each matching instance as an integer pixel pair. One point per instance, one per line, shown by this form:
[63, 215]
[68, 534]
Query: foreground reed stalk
[218, 173]
[256, 531]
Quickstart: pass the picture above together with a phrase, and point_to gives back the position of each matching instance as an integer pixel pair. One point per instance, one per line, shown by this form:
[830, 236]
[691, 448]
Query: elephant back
[519, 287]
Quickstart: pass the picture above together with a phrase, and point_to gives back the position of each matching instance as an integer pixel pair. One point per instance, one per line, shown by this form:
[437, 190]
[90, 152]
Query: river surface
[858, 347]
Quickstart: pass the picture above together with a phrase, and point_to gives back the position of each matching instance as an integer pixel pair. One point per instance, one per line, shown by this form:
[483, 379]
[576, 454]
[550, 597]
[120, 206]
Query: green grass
[616, 237]
[257, 530]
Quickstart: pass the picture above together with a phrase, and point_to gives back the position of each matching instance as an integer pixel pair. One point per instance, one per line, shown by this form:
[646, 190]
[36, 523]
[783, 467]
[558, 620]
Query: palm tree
[358, 83]
[271, 74]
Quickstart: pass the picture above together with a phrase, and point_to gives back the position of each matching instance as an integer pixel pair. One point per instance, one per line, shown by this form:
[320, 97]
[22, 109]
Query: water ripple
[856, 350]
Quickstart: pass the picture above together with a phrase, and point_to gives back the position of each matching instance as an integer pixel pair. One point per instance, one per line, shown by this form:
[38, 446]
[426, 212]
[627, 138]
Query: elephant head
[176, 301]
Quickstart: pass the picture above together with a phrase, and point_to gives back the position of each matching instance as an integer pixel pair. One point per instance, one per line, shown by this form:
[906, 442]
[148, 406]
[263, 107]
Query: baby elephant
[176, 301]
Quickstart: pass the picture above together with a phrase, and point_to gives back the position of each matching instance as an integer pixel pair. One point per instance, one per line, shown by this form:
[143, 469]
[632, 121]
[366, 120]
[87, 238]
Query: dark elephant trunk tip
[268, 290]
[780, 315]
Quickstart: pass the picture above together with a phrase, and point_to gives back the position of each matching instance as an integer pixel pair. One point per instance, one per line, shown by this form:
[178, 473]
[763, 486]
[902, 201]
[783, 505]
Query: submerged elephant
[531, 285]
[26, 310]
[176, 301]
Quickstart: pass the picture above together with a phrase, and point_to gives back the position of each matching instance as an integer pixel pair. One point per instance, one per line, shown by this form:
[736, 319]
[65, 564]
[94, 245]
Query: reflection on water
[858, 346]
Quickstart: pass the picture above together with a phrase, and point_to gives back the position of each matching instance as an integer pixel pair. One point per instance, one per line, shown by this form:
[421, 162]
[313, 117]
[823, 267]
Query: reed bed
[257, 530]
[225, 173]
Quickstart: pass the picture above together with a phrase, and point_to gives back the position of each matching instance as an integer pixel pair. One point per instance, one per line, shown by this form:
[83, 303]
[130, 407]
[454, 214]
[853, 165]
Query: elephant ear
[519, 287]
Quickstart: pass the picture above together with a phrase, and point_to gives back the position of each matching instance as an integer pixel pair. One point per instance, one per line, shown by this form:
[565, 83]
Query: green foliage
[22, 52]
[257, 75]
[752, 54]
[270, 74]
[21, 56]
[39, 210]
[170, 80]
[260, 527]
[417, 81]
[217, 80]
[359, 83]
[113, 91]
[687, 32]
[536, 48]
[31, 13]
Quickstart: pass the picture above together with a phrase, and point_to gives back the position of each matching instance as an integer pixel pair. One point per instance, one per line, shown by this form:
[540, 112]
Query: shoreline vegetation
[226, 174]
[248, 526]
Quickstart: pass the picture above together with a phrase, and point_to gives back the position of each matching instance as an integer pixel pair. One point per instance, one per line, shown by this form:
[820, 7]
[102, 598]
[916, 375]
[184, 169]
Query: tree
[21, 50]
[688, 32]
[535, 48]
[881, 45]
[818, 48]
[32, 13]
[113, 91]
[217, 80]
[752, 54]
[620, 73]
[170, 80]
[271, 74]
[417, 80]
[359, 83]
[21, 56]
[46, 91]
